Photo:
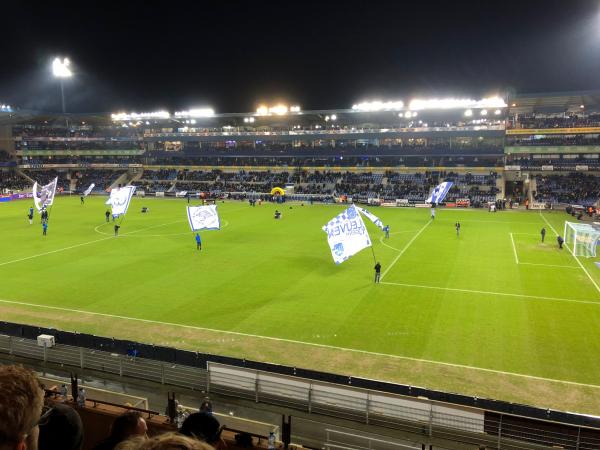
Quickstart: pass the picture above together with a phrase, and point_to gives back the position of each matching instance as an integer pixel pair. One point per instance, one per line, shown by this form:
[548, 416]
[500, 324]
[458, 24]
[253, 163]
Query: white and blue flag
[439, 192]
[119, 199]
[372, 217]
[346, 235]
[46, 195]
[88, 190]
[203, 217]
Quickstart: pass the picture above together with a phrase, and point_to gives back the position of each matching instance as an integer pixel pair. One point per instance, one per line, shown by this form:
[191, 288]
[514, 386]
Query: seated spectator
[127, 425]
[20, 408]
[203, 426]
[166, 441]
[61, 429]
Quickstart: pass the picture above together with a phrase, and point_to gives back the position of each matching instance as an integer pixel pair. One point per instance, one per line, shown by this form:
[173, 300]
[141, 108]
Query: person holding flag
[439, 193]
[45, 197]
[203, 218]
[119, 201]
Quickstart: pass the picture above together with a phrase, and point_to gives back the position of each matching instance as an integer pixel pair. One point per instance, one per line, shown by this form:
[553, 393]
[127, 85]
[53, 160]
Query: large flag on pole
[372, 217]
[119, 199]
[203, 217]
[346, 235]
[88, 190]
[439, 192]
[46, 195]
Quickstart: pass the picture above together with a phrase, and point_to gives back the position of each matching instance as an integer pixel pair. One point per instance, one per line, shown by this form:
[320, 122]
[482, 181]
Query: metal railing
[419, 416]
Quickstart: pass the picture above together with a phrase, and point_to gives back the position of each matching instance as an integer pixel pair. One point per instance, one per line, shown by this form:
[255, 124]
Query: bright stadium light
[378, 106]
[137, 116]
[262, 110]
[468, 113]
[483, 112]
[333, 117]
[60, 69]
[279, 110]
[196, 112]
[456, 103]
[294, 108]
[498, 112]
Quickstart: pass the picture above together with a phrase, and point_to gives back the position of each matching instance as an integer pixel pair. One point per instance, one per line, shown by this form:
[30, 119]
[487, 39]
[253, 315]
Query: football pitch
[493, 313]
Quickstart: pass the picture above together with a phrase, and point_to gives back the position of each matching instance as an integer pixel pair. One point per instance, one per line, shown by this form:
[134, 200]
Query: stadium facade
[494, 148]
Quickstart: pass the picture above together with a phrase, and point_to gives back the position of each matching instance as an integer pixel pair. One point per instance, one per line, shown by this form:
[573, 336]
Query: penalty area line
[503, 294]
[574, 256]
[309, 344]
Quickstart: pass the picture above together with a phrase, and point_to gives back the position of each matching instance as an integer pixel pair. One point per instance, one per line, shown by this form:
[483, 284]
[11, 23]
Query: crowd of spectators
[34, 418]
[12, 181]
[102, 178]
[555, 140]
[574, 188]
[541, 121]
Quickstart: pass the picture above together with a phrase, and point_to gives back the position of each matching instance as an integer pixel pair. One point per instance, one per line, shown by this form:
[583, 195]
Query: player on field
[117, 230]
[44, 227]
[30, 215]
[198, 242]
[543, 233]
[432, 212]
[107, 215]
[457, 226]
[377, 272]
[560, 241]
[81, 200]
[386, 229]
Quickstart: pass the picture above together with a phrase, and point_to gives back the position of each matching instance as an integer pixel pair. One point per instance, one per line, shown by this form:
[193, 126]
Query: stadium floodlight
[498, 112]
[196, 112]
[483, 112]
[456, 103]
[279, 110]
[378, 105]
[334, 117]
[295, 108]
[60, 69]
[468, 113]
[137, 116]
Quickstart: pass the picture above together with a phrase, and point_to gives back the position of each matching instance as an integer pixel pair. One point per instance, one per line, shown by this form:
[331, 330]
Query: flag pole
[373, 251]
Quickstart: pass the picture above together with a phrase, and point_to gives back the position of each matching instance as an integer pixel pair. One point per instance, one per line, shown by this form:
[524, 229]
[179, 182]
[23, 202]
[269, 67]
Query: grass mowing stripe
[292, 341]
[576, 258]
[404, 249]
[504, 294]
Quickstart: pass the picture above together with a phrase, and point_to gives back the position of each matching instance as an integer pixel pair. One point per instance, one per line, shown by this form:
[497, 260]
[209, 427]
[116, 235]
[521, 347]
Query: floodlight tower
[60, 70]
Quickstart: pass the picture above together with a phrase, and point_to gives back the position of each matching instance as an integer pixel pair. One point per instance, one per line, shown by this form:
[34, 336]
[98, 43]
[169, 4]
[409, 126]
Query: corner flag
[439, 192]
[346, 235]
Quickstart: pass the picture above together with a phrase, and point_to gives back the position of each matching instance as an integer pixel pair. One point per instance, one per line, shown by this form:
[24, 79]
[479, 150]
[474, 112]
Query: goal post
[581, 238]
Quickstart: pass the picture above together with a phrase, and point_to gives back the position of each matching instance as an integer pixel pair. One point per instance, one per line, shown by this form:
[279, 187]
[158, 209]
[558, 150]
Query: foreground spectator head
[127, 425]
[20, 408]
[167, 441]
[62, 428]
[203, 426]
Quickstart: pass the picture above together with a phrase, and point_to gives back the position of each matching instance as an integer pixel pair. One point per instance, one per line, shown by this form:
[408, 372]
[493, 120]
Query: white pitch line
[404, 249]
[310, 344]
[70, 247]
[504, 294]
[576, 258]
[514, 248]
[548, 265]
[389, 246]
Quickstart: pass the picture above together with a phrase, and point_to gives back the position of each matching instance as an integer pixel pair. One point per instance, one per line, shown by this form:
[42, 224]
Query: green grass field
[492, 313]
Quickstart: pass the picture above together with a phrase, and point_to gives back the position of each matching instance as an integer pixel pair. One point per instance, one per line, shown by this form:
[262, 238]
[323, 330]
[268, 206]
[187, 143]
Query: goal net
[581, 238]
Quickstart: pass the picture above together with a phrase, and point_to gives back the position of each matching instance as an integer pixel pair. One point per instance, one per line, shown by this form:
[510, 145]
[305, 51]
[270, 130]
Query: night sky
[144, 55]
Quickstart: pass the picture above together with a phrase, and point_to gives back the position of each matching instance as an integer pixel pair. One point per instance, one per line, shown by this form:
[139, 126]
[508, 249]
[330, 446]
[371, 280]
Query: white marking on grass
[293, 341]
[389, 246]
[70, 247]
[548, 265]
[514, 248]
[404, 249]
[576, 258]
[503, 294]
[187, 233]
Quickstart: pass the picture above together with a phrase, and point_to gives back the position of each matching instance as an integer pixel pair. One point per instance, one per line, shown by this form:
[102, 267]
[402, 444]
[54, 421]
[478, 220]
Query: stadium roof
[555, 101]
